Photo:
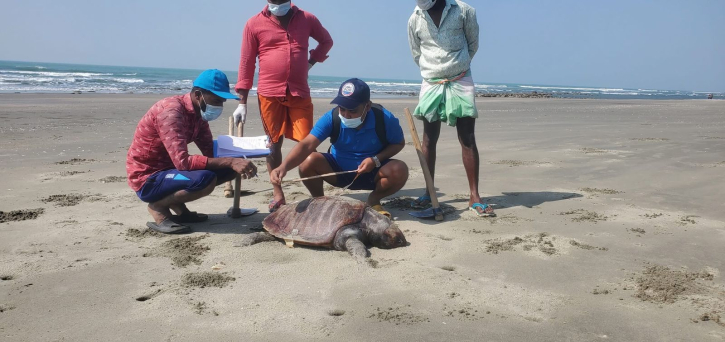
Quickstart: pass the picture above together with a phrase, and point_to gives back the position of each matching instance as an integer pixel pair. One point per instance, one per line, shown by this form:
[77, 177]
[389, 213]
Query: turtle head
[391, 237]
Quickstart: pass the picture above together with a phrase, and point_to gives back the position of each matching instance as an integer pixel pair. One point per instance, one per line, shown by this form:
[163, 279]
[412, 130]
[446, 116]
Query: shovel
[435, 211]
[235, 211]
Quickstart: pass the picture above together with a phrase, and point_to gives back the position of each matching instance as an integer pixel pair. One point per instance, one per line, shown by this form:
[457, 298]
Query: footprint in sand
[512, 163]
[113, 179]
[20, 215]
[650, 139]
[182, 251]
[206, 279]
[4, 308]
[585, 216]
[335, 312]
[398, 315]
[590, 150]
[57, 175]
[75, 161]
[70, 200]
[595, 191]
[540, 245]
[149, 296]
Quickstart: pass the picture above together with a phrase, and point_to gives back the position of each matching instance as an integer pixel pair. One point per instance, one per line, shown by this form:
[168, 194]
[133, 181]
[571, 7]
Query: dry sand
[610, 227]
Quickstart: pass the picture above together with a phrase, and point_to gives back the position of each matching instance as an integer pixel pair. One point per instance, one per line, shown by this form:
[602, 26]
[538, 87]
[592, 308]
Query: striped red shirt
[282, 53]
[162, 137]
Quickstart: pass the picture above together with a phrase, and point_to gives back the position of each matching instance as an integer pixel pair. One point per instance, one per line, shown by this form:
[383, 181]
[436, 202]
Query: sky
[641, 44]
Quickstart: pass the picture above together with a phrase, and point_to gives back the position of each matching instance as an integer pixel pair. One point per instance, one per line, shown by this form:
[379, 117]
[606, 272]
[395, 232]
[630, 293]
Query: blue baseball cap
[352, 93]
[216, 82]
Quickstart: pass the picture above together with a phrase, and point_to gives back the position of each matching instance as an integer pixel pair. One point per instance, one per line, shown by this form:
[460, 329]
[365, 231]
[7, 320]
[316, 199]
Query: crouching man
[159, 166]
[364, 138]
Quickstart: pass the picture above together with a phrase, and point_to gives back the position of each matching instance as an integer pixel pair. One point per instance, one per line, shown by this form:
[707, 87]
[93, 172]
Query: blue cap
[216, 82]
[352, 93]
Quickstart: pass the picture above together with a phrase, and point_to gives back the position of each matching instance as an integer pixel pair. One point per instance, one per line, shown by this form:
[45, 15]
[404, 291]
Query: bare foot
[159, 213]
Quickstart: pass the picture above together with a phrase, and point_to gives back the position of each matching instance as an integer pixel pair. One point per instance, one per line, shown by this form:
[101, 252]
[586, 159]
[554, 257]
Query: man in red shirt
[159, 166]
[279, 36]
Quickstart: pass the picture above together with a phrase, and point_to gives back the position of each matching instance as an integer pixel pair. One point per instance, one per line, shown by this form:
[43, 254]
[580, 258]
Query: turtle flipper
[357, 249]
[255, 238]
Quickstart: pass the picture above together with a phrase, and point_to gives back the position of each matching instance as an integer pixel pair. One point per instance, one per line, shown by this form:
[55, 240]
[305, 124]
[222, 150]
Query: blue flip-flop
[475, 206]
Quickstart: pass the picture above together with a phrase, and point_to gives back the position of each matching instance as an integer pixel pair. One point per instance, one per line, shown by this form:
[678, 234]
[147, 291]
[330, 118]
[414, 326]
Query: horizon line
[392, 79]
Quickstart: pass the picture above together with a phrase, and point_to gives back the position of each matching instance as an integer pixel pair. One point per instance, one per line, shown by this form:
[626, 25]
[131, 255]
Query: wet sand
[610, 228]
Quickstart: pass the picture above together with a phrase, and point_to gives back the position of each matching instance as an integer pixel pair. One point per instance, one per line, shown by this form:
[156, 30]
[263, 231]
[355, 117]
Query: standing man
[443, 37]
[279, 36]
[159, 166]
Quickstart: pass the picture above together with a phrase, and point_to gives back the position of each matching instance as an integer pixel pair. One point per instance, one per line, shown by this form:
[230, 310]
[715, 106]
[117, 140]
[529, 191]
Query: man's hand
[240, 114]
[244, 167]
[366, 166]
[275, 177]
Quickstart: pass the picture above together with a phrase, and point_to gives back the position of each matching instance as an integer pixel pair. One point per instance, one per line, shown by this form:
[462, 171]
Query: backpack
[379, 124]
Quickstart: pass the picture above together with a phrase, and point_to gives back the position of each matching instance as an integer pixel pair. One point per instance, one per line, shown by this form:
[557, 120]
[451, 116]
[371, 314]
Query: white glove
[309, 66]
[240, 114]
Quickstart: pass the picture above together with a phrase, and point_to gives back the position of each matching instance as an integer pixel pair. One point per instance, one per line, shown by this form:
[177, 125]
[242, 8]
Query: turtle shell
[314, 221]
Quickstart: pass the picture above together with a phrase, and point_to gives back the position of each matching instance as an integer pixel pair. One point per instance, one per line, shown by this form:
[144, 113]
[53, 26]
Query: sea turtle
[339, 223]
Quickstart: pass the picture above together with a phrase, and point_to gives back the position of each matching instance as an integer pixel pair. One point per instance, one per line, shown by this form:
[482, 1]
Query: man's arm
[368, 164]
[414, 40]
[470, 29]
[244, 167]
[298, 154]
[324, 42]
[247, 63]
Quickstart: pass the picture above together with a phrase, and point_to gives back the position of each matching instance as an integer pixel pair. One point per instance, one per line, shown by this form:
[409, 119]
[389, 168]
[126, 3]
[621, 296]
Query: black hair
[202, 90]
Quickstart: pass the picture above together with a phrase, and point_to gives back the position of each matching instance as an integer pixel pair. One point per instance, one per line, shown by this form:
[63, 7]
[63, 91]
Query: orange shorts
[289, 116]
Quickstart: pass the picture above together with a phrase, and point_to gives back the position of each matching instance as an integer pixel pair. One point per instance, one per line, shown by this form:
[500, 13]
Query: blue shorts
[167, 182]
[366, 181]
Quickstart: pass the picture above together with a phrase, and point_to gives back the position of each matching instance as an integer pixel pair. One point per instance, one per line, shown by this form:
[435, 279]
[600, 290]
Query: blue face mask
[212, 112]
[280, 10]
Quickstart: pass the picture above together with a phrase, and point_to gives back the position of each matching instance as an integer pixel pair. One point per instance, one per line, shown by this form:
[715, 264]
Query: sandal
[168, 227]
[379, 208]
[422, 202]
[487, 210]
[274, 205]
[190, 217]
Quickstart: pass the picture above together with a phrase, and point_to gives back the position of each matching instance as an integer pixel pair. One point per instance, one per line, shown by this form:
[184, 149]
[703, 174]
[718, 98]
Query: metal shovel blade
[427, 213]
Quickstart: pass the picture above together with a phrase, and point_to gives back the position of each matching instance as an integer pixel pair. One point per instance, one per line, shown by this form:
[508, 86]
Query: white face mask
[425, 4]
[280, 10]
[352, 123]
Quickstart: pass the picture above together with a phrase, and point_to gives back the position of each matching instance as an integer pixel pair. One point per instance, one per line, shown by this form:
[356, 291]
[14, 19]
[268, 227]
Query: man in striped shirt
[160, 168]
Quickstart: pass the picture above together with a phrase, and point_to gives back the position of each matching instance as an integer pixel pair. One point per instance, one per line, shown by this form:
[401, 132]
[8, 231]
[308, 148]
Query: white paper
[229, 146]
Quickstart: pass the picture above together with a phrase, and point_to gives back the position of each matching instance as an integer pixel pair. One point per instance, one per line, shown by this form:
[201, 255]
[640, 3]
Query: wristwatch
[376, 160]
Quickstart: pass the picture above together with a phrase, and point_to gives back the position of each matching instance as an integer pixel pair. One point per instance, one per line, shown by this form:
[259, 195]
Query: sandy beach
[610, 227]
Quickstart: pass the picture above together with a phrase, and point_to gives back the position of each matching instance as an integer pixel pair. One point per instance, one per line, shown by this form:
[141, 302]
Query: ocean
[30, 77]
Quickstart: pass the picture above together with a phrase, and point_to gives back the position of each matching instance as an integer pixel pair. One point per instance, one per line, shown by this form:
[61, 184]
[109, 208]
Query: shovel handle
[424, 165]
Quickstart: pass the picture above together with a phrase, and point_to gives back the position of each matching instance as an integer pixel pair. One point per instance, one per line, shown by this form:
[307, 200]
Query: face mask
[352, 123]
[211, 112]
[280, 10]
[425, 4]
